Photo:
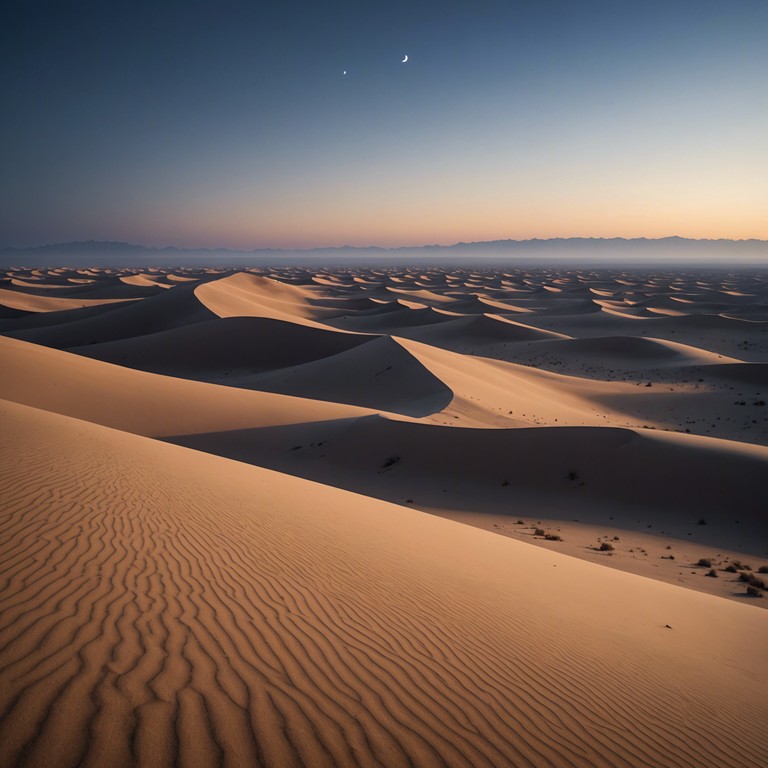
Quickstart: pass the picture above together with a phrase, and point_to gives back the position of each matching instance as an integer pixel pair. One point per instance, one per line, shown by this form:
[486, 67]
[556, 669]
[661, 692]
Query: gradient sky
[231, 124]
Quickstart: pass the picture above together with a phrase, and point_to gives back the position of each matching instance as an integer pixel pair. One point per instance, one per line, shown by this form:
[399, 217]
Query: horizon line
[381, 247]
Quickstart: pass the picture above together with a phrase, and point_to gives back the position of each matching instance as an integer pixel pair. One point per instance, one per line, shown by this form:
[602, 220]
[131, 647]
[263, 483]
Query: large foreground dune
[393, 517]
[169, 607]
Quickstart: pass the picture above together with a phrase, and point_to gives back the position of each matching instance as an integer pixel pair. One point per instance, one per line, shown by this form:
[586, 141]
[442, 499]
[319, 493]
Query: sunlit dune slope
[165, 607]
[248, 295]
[29, 302]
[145, 403]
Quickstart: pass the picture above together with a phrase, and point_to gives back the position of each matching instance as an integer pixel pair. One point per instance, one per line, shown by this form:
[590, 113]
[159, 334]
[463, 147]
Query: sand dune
[8, 314]
[170, 309]
[392, 319]
[22, 321]
[566, 467]
[147, 280]
[490, 393]
[421, 295]
[110, 288]
[42, 287]
[630, 353]
[145, 403]
[224, 349]
[476, 334]
[29, 302]
[118, 289]
[380, 374]
[356, 305]
[250, 295]
[569, 306]
[718, 334]
[693, 394]
[231, 511]
[210, 615]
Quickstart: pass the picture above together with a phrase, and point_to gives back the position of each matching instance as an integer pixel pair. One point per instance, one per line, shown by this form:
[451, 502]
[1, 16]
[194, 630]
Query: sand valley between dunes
[384, 517]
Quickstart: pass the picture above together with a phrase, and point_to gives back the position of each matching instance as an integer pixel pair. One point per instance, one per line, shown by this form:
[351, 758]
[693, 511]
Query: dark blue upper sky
[231, 123]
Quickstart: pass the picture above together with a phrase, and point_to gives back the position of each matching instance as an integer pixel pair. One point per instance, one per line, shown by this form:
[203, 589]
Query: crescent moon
[405, 59]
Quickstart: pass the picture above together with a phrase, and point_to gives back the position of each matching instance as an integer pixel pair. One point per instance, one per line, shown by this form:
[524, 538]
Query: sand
[283, 517]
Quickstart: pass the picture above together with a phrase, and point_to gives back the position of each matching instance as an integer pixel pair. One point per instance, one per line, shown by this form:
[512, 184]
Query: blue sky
[231, 123]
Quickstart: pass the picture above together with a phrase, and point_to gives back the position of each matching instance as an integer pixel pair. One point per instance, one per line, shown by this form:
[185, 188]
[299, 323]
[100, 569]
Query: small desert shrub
[520, 522]
[742, 566]
[711, 572]
[539, 532]
[763, 569]
[731, 569]
[754, 592]
[755, 581]
[704, 562]
[552, 537]
[616, 538]
[606, 547]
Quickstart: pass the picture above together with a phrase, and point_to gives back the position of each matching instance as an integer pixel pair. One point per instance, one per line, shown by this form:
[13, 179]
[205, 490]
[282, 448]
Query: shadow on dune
[223, 349]
[173, 308]
[673, 480]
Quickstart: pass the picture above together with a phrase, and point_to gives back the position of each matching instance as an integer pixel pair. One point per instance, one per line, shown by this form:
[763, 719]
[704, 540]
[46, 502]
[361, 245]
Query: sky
[231, 123]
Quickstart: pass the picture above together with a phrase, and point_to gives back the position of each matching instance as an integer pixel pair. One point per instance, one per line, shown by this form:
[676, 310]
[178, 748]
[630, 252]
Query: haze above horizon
[231, 124]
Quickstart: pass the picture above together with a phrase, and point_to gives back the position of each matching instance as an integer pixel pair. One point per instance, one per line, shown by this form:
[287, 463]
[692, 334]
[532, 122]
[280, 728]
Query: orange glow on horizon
[419, 228]
[440, 210]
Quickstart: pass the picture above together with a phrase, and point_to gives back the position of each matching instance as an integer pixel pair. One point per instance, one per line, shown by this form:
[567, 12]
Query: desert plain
[395, 516]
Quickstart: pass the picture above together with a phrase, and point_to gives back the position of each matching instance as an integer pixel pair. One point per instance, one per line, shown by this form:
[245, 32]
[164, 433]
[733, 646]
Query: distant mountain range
[572, 249]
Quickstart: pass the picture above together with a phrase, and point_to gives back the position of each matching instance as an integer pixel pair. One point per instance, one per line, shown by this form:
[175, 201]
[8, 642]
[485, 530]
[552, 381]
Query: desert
[384, 385]
[384, 515]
